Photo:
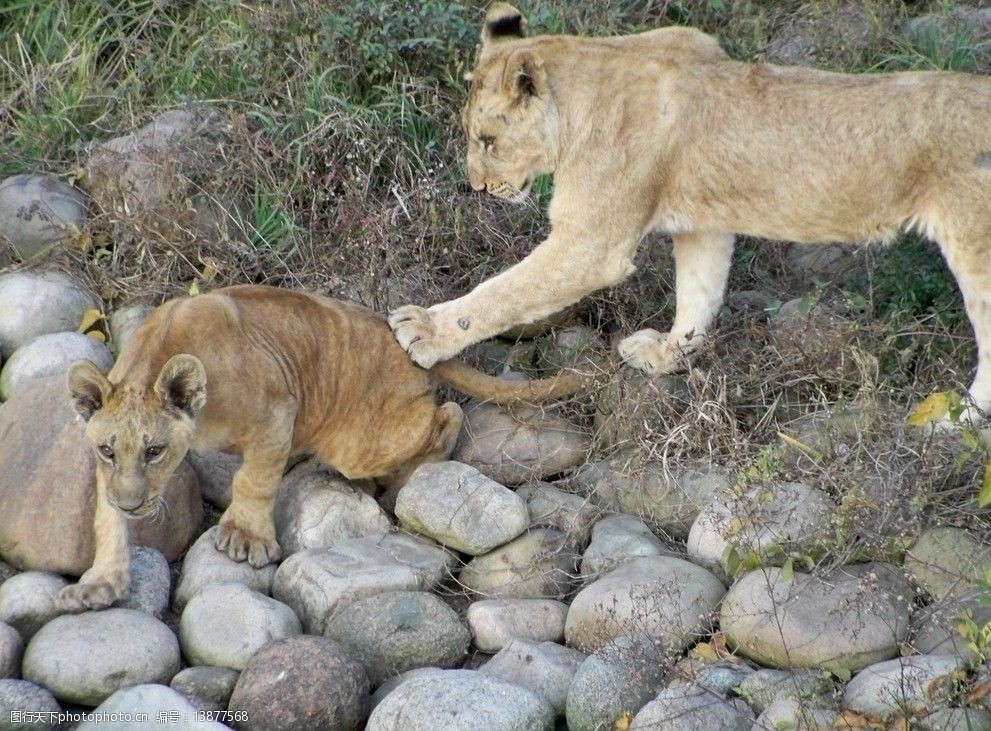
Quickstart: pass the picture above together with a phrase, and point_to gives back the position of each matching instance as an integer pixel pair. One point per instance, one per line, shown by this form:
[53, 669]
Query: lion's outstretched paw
[243, 544]
[96, 592]
[417, 332]
[651, 352]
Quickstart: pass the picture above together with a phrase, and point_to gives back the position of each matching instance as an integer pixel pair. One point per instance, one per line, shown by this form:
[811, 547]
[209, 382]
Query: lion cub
[265, 373]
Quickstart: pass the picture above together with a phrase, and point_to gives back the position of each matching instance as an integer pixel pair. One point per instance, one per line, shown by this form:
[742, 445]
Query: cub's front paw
[417, 331]
[242, 543]
[92, 592]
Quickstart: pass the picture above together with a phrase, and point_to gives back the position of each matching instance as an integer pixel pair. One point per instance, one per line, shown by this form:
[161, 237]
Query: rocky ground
[759, 543]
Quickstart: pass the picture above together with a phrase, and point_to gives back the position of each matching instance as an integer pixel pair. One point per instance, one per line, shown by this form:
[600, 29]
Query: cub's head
[139, 436]
[510, 120]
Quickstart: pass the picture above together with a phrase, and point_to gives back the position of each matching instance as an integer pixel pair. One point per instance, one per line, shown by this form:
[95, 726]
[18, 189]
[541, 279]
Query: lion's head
[510, 120]
[139, 436]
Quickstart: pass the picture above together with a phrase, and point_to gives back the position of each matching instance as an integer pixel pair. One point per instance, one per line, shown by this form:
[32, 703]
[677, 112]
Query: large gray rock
[37, 211]
[151, 580]
[956, 719]
[545, 668]
[215, 471]
[937, 627]
[693, 708]
[458, 506]
[613, 682]
[496, 622]
[84, 658]
[157, 701]
[521, 444]
[669, 499]
[48, 488]
[18, 698]
[796, 714]
[318, 583]
[225, 624]
[50, 355]
[540, 564]
[301, 682]
[316, 509]
[946, 561]
[550, 506]
[391, 683]
[142, 170]
[393, 632]
[39, 303]
[618, 538]
[768, 521]
[461, 700]
[206, 687]
[27, 601]
[762, 688]
[123, 321]
[11, 649]
[667, 599]
[890, 688]
[845, 619]
[205, 566]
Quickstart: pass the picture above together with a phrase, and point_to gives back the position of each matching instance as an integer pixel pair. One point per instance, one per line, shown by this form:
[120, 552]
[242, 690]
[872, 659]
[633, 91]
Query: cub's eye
[487, 141]
[153, 452]
[106, 451]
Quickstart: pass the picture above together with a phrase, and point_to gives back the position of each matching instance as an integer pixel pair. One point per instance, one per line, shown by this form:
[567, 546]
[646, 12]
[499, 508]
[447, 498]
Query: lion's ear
[88, 387]
[502, 22]
[182, 384]
[524, 76]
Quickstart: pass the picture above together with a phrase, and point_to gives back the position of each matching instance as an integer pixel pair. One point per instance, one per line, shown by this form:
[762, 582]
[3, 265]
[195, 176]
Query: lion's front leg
[556, 274]
[702, 263]
[247, 528]
[107, 580]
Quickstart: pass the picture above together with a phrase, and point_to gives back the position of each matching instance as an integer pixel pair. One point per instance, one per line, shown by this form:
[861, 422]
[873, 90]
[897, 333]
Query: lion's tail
[462, 377]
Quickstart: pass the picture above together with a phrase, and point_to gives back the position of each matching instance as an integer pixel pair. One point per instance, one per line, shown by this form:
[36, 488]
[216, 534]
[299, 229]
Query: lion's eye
[106, 451]
[152, 452]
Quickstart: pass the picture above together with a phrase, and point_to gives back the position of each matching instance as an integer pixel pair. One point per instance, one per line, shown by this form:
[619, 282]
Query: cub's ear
[88, 387]
[524, 76]
[182, 384]
[502, 22]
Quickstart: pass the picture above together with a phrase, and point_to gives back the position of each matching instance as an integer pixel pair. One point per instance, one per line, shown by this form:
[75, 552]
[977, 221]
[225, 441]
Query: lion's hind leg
[971, 265]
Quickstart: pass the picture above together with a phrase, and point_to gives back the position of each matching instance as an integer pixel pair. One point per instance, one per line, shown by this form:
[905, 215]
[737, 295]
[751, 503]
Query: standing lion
[663, 131]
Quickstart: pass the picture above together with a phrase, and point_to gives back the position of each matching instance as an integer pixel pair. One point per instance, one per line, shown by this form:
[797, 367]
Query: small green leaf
[984, 496]
[788, 570]
[842, 674]
[731, 560]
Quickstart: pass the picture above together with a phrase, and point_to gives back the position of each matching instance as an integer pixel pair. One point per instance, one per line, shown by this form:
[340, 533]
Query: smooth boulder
[50, 355]
[37, 211]
[39, 303]
[666, 598]
[540, 564]
[846, 619]
[84, 658]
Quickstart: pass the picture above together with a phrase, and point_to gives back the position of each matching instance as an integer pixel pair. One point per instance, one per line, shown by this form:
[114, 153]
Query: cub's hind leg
[972, 269]
[702, 262]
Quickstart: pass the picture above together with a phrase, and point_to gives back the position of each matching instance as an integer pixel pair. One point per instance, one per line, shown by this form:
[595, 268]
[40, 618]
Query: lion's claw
[416, 331]
[242, 544]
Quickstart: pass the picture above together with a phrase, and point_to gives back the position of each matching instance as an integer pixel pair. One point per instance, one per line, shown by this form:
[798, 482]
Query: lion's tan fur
[282, 373]
[663, 131]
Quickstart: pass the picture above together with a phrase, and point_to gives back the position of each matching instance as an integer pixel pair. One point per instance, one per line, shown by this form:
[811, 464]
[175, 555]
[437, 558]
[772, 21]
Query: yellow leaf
[97, 335]
[766, 497]
[933, 408]
[788, 570]
[984, 496]
[623, 722]
[194, 289]
[704, 651]
[735, 526]
[210, 270]
[90, 318]
[82, 240]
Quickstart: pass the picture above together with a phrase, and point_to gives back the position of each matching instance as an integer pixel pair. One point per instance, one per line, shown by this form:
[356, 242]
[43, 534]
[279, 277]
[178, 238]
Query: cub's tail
[462, 377]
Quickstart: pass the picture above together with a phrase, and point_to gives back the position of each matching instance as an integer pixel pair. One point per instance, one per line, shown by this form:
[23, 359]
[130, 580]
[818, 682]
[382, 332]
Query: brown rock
[48, 491]
[518, 445]
[302, 682]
